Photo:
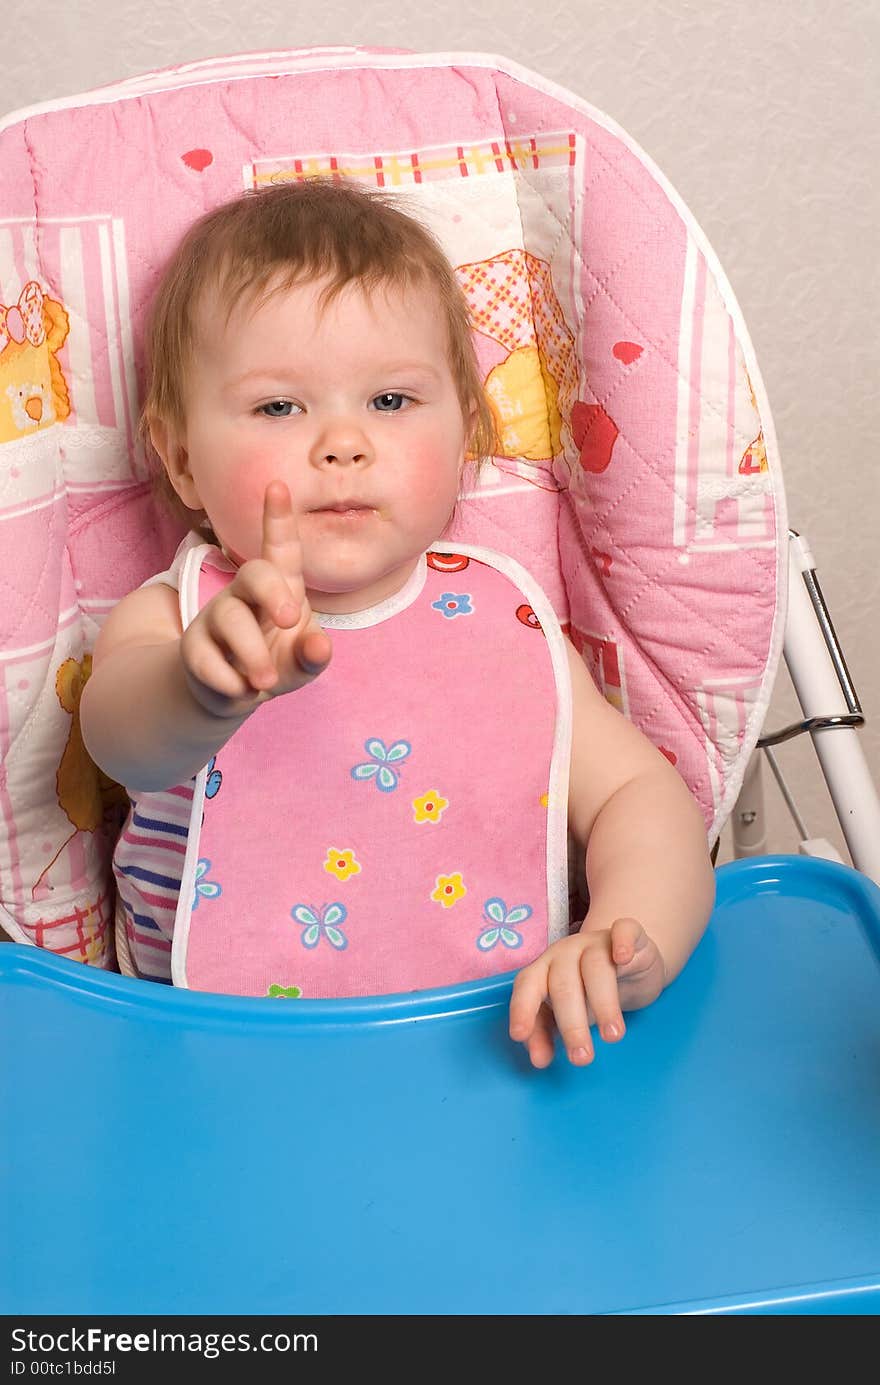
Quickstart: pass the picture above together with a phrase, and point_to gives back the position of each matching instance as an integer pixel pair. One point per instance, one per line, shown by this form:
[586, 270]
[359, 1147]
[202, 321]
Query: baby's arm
[161, 701]
[650, 881]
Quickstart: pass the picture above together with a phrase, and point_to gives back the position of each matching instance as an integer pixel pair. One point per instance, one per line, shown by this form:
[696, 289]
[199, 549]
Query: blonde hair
[267, 241]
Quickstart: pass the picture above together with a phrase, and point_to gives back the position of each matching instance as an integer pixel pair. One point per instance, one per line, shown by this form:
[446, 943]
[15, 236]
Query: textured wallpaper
[766, 121]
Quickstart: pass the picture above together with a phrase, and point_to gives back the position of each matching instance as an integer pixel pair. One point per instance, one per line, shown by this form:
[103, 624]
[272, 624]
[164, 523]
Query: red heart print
[198, 159]
[595, 434]
[626, 351]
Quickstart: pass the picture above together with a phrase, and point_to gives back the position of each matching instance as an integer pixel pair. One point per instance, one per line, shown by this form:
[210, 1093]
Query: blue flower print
[452, 604]
[324, 920]
[214, 780]
[381, 760]
[205, 889]
[499, 919]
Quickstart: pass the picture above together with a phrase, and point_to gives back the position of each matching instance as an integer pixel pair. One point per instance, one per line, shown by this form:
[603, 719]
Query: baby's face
[353, 406]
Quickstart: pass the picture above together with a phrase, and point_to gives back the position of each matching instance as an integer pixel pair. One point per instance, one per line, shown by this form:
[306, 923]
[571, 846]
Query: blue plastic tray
[168, 1152]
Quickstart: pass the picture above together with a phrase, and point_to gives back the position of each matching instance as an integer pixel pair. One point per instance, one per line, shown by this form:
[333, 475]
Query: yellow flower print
[450, 889]
[342, 864]
[429, 808]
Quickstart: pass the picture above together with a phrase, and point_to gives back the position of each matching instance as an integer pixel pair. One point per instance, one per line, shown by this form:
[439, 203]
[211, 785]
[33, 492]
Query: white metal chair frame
[832, 716]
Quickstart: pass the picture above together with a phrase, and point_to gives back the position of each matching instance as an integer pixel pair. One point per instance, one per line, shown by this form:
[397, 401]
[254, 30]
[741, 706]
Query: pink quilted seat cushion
[637, 478]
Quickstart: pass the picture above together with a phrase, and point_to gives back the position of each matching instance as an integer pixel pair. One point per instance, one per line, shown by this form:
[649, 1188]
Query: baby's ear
[175, 459]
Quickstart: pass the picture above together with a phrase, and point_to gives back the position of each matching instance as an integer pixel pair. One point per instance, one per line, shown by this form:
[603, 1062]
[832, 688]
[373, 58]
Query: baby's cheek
[432, 477]
[241, 521]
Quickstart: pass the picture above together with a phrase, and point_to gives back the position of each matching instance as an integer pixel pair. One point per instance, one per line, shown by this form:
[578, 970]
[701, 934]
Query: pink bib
[400, 823]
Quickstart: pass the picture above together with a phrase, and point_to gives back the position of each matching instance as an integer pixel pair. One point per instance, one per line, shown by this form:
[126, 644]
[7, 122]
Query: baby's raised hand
[257, 638]
[582, 980]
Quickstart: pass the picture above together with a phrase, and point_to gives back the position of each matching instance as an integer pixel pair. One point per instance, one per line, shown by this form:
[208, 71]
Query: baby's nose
[345, 454]
[340, 444]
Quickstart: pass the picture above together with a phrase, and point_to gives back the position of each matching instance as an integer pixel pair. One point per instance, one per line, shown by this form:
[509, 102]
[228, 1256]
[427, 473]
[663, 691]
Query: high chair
[178, 1152]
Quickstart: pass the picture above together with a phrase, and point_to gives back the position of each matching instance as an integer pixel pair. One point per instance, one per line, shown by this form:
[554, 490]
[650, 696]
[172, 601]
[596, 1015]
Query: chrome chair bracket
[855, 716]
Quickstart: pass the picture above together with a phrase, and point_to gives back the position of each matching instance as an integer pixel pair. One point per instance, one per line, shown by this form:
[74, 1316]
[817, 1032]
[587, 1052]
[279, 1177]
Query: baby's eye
[278, 408]
[391, 402]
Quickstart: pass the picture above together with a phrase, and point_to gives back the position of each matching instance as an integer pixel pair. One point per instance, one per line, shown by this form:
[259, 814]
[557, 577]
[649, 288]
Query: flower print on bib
[399, 823]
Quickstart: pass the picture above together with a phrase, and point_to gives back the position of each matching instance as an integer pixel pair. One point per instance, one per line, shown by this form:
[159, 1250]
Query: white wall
[765, 118]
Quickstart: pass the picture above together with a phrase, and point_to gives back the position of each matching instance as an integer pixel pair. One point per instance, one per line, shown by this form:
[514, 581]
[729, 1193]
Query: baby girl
[356, 753]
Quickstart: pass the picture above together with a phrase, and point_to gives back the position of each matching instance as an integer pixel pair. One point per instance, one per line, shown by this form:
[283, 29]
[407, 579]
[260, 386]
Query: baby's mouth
[348, 509]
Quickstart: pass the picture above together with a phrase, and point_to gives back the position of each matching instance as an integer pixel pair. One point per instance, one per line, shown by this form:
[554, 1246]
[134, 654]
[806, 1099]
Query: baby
[354, 752]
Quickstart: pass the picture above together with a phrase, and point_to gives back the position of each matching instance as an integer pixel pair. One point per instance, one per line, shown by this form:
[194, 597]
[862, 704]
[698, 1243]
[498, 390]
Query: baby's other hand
[582, 980]
[257, 638]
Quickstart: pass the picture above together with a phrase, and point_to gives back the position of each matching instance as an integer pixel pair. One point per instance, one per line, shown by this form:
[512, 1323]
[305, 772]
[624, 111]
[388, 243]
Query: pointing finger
[281, 544]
